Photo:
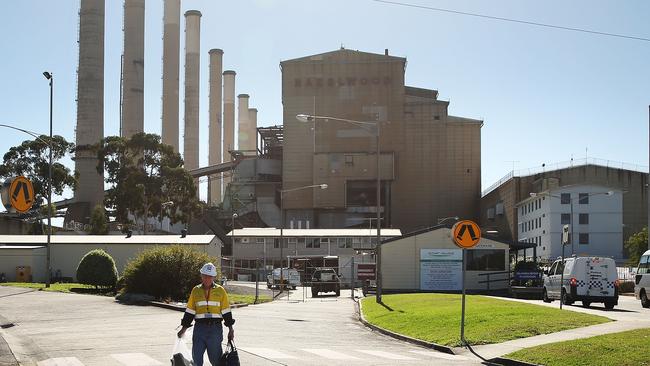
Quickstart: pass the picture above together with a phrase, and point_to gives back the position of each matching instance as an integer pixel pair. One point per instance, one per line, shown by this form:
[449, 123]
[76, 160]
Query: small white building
[66, 251]
[597, 221]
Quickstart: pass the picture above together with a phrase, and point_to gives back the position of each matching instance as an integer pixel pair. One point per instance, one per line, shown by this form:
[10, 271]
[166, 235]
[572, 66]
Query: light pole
[232, 243]
[49, 76]
[368, 126]
[282, 192]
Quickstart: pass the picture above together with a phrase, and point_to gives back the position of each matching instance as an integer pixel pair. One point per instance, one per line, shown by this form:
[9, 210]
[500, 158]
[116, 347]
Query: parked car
[290, 277]
[325, 280]
[642, 280]
[586, 279]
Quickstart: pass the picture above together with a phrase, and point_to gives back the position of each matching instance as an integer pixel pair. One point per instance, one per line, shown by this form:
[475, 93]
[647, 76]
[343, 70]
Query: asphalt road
[54, 329]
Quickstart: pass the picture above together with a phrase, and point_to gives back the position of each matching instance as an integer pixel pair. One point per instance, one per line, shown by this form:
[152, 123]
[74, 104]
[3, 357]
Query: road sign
[466, 234]
[565, 234]
[21, 194]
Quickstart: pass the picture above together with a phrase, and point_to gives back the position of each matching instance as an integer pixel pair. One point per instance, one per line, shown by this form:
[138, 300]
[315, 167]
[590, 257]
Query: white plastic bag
[181, 354]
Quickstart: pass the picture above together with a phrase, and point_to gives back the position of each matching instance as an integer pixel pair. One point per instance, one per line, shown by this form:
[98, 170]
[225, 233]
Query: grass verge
[622, 349]
[436, 318]
[246, 299]
[54, 287]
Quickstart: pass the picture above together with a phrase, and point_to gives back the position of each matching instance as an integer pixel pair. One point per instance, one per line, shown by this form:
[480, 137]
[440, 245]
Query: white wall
[12, 258]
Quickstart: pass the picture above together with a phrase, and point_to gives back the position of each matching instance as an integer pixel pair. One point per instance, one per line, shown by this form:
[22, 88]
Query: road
[55, 329]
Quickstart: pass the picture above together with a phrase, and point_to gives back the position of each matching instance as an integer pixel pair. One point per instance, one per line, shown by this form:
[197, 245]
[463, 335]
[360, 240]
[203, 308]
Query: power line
[514, 20]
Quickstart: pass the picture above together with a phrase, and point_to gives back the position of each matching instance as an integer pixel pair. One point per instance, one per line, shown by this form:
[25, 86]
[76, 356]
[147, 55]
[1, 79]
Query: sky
[545, 95]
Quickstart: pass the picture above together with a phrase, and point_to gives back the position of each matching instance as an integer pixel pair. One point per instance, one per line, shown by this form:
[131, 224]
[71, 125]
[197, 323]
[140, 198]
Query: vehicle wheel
[314, 293]
[545, 297]
[338, 292]
[566, 299]
[293, 287]
[586, 303]
[644, 299]
[268, 286]
[609, 305]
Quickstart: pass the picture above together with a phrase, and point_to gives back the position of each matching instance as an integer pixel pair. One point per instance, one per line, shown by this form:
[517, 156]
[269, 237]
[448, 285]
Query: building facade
[596, 227]
[430, 162]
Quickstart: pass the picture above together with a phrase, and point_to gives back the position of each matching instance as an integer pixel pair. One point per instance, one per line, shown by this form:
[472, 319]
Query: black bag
[230, 356]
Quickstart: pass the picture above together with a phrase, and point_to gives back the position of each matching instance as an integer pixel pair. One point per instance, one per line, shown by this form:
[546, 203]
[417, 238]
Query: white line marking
[135, 359]
[388, 355]
[329, 354]
[61, 361]
[267, 353]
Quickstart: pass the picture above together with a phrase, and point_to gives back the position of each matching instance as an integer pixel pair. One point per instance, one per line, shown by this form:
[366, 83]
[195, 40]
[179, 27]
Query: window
[583, 198]
[293, 242]
[237, 240]
[583, 219]
[301, 241]
[553, 268]
[540, 222]
[259, 241]
[565, 198]
[312, 243]
[644, 265]
[349, 160]
[276, 243]
[583, 238]
[560, 268]
[566, 219]
[486, 260]
[341, 243]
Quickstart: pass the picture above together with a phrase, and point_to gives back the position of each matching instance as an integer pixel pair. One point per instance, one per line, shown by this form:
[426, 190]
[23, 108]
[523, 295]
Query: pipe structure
[214, 135]
[228, 117]
[90, 102]
[243, 125]
[171, 71]
[252, 124]
[192, 77]
[133, 69]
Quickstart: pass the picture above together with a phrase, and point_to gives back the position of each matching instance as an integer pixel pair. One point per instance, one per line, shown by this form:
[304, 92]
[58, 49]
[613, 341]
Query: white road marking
[329, 354]
[388, 355]
[135, 359]
[436, 354]
[61, 361]
[267, 353]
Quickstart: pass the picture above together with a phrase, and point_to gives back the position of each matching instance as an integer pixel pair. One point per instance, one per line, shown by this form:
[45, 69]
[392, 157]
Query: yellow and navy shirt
[208, 305]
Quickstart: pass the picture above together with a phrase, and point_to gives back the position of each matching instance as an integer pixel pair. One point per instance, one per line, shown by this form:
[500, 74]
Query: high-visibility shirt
[208, 305]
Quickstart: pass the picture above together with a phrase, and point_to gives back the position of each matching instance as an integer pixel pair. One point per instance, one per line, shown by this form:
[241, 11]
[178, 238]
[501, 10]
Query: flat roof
[271, 231]
[21, 246]
[106, 239]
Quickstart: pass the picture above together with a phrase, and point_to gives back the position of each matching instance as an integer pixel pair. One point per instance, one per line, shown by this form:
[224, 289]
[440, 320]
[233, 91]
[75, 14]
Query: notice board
[441, 269]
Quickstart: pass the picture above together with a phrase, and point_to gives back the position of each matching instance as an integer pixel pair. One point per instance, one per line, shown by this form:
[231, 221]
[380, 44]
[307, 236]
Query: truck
[288, 278]
[325, 280]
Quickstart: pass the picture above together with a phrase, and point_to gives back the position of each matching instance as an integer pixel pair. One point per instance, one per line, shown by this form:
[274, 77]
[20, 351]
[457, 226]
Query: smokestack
[243, 125]
[214, 137]
[228, 117]
[252, 123]
[192, 73]
[171, 61]
[133, 69]
[90, 102]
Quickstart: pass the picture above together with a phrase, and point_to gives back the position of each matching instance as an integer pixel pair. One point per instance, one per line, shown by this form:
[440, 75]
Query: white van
[642, 280]
[586, 279]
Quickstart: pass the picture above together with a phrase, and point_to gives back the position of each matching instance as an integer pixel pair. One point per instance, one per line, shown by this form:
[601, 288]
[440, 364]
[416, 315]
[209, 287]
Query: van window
[560, 268]
[644, 265]
[552, 270]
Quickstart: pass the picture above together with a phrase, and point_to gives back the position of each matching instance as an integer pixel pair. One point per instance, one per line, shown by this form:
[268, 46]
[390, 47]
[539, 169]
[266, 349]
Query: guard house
[429, 261]
[304, 249]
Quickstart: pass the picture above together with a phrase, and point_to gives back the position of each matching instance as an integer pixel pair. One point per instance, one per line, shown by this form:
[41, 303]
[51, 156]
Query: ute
[325, 280]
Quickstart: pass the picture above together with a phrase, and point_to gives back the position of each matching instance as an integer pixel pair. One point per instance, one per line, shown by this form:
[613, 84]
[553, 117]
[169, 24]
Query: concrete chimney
[90, 102]
[252, 123]
[133, 69]
[242, 123]
[214, 137]
[228, 117]
[171, 62]
[192, 73]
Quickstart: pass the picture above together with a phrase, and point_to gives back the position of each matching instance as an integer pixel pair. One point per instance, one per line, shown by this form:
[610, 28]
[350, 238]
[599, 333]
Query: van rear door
[600, 277]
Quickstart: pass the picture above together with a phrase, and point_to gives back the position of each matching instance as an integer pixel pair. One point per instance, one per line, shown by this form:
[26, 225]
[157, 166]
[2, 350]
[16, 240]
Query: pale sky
[544, 94]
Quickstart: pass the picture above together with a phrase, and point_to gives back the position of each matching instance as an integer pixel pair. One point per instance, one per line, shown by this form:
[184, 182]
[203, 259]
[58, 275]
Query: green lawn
[55, 287]
[246, 299]
[436, 318]
[621, 349]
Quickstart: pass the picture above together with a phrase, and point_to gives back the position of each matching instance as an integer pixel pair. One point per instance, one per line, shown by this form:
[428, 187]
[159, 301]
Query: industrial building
[500, 202]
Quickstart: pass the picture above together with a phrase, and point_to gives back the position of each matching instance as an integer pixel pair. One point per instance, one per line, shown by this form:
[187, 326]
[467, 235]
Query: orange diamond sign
[466, 234]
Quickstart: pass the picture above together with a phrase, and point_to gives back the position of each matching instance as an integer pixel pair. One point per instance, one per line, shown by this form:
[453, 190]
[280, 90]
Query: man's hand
[181, 332]
[231, 334]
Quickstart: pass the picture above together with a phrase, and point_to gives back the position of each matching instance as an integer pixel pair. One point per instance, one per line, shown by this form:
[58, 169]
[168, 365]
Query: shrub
[97, 268]
[165, 272]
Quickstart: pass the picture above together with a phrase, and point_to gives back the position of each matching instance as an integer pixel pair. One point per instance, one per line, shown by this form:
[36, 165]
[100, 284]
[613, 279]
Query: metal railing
[488, 280]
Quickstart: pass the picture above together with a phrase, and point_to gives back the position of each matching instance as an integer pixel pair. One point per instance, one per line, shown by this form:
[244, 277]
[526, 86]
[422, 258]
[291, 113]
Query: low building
[596, 224]
[66, 251]
[429, 261]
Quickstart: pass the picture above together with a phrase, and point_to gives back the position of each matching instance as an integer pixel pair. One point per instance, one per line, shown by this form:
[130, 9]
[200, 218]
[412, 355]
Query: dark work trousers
[207, 336]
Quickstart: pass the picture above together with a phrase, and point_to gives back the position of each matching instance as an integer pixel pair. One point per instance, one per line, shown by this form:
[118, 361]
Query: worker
[208, 305]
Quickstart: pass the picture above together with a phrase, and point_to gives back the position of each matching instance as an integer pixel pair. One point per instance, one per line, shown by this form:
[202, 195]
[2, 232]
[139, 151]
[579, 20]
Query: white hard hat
[209, 269]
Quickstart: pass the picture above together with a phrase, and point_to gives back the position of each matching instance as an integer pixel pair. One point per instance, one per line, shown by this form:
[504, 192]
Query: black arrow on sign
[469, 228]
[21, 186]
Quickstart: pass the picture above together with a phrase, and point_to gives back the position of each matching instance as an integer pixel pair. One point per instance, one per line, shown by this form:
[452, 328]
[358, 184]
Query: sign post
[466, 234]
[565, 241]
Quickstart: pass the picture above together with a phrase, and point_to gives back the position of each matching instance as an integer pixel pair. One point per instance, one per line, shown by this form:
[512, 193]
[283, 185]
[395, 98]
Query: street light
[49, 77]
[282, 192]
[232, 244]
[368, 126]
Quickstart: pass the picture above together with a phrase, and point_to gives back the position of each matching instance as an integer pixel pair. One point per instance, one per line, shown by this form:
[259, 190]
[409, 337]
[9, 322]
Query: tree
[143, 173]
[636, 245]
[98, 221]
[31, 159]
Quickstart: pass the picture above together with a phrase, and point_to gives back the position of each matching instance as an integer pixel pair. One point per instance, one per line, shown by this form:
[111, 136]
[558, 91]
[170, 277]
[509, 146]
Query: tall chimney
[228, 117]
[192, 73]
[133, 69]
[243, 125]
[252, 123]
[214, 136]
[171, 61]
[90, 102]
